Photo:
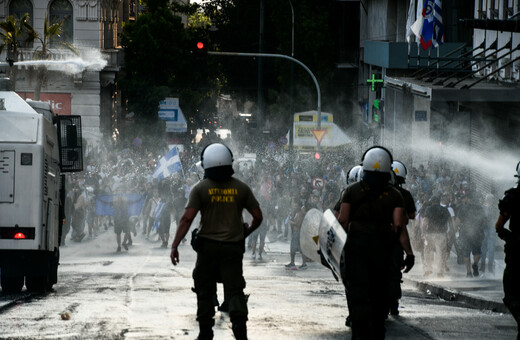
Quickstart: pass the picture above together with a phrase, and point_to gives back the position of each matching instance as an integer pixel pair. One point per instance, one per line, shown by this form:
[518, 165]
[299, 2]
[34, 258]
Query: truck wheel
[12, 284]
[37, 283]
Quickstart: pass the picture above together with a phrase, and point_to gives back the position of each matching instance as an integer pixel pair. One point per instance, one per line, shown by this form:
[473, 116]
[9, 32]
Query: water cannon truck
[37, 149]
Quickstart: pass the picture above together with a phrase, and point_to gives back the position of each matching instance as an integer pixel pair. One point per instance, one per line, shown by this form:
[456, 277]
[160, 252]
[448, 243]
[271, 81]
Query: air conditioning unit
[490, 69]
[515, 74]
[506, 72]
[476, 67]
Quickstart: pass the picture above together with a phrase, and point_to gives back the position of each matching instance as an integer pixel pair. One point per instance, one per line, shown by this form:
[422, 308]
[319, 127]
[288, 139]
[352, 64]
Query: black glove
[505, 234]
[408, 263]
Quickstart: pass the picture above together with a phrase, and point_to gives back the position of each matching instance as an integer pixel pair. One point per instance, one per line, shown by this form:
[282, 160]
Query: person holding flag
[168, 165]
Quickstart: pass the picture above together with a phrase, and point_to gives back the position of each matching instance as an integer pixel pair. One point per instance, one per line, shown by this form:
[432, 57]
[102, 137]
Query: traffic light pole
[282, 56]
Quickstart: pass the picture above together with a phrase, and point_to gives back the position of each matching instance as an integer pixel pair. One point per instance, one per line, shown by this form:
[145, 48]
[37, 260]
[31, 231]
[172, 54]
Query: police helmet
[377, 159]
[353, 174]
[217, 161]
[215, 155]
[399, 170]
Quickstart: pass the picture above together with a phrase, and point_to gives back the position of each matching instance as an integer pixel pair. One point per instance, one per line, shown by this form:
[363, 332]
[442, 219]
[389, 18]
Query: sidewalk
[483, 292]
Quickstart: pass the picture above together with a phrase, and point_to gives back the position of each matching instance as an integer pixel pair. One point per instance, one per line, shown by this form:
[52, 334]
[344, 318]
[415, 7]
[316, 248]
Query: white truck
[36, 149]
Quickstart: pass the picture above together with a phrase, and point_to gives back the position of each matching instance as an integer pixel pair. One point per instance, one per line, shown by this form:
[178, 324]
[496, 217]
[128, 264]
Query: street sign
[318, 183]
[283, 140]
[319, 134]
[271, 145]
[138, 141]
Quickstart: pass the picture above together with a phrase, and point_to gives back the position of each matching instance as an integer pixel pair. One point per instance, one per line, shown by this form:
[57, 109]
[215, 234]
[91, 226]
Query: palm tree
[13, 33]
[50, 33]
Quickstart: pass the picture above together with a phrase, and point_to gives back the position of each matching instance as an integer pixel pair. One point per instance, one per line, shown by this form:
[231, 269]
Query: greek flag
[429, 25]
[157, 214]
[169, 164]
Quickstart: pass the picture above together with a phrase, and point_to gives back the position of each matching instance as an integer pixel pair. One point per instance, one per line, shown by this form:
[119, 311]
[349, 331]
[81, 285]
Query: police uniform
[366, 253]
[510, 206]
[394, 288]
[221, 248]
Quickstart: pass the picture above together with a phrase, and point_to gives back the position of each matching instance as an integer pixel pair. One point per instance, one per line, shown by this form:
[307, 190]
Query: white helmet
[353, 174]
[215, 155]
[399, 169]
[377, 159]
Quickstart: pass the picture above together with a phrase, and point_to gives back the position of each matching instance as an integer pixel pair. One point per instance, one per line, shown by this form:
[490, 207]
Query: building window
[61, 11]
[481, 9]
[18, 8]
[508, 9]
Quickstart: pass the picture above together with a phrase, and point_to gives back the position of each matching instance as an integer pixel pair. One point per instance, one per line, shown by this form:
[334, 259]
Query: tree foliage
[238, 31]
[14, 33]
[159, 63]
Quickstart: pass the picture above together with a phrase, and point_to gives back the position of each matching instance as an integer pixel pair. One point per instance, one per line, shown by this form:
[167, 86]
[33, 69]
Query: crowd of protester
[286, 187]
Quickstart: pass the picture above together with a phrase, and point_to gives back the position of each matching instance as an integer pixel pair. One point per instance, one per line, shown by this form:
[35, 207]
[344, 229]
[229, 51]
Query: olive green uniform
[510, 204]
[367, 256]
[221, 249]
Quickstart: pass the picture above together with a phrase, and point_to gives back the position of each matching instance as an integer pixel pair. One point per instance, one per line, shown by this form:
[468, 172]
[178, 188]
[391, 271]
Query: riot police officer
[220, 240]
[509, 208]
[372, 214]
[394, 294]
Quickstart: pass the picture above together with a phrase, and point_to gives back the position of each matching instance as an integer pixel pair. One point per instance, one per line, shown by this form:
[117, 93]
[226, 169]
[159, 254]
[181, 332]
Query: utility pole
[259, 116]
[291, 92]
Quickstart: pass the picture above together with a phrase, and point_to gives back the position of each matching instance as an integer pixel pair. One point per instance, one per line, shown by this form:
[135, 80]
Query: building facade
[457, 102]
[92, 26]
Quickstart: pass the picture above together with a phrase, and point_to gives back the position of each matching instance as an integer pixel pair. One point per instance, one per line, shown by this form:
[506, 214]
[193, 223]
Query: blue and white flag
[134, 203]
[159, 209]
[169, 164]
[429, 24]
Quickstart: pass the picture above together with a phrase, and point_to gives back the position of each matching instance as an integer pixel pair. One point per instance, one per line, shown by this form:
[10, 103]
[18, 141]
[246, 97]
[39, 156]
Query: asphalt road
[139, 294]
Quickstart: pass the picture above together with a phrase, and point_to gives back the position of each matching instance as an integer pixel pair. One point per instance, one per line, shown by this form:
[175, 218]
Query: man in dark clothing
[509, 208]
[471, 232]
[121, 220]
[435, 230]
[220, 246]
[372, 214]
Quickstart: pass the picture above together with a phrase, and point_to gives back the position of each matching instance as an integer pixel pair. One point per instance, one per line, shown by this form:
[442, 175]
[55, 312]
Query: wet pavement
[482, 292]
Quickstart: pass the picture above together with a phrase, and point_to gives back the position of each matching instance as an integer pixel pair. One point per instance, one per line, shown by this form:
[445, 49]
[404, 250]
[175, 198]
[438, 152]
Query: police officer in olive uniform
[353, 175]
[509, 208]
[395, 293]
[220, 240]
[372, 214]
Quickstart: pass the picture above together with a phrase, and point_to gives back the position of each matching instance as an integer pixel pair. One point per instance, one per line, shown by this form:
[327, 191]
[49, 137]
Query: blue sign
[283, 140]
[169, 114]
[271, 145]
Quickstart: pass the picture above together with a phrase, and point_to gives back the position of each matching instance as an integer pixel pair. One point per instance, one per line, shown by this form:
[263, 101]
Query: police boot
[240, 329]
[206, 332]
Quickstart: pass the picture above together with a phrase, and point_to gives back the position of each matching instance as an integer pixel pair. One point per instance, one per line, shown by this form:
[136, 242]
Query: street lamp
[291, 91]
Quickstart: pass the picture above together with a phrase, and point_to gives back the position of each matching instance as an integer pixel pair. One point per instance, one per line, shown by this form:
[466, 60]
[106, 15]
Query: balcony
[401, 55]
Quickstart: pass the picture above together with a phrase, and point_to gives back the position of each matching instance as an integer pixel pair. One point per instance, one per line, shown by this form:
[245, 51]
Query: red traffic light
[200, 45]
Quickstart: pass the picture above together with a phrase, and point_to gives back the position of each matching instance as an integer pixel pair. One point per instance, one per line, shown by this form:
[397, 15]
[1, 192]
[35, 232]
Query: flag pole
[180, 160]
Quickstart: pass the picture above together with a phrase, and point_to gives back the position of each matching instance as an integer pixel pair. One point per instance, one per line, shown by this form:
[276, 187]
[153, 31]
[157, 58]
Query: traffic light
[317, 155]
[200, 47]
[377, 110]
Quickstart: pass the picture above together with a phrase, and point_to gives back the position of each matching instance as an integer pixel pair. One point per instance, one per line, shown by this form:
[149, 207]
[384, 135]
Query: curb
[457, 296]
